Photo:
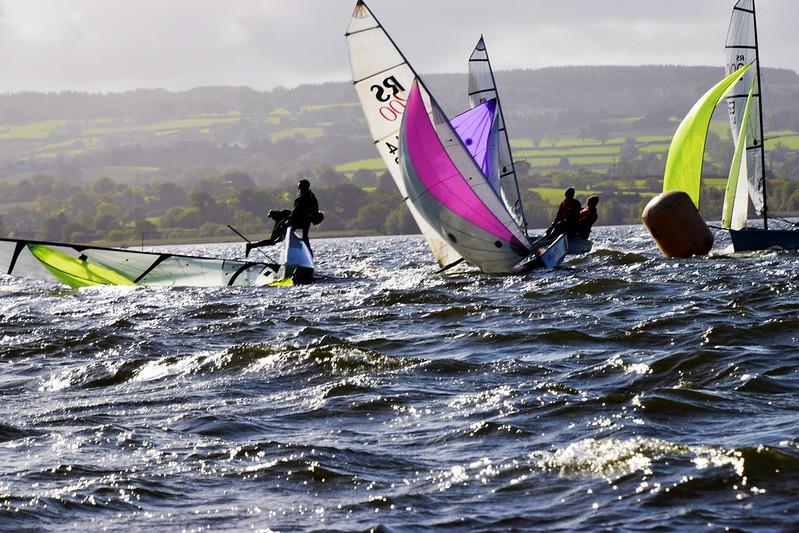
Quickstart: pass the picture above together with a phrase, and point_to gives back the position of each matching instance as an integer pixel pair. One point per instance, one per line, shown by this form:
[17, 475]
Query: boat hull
[749, 240]
[547, 255]
[576, 245]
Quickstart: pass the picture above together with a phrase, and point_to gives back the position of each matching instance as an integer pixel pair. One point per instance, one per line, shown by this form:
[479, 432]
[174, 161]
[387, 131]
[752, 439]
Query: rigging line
[237, 232]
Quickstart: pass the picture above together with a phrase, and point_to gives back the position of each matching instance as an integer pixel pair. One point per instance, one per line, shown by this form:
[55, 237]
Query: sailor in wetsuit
[566, 218]
[587, 217]
[305, 212]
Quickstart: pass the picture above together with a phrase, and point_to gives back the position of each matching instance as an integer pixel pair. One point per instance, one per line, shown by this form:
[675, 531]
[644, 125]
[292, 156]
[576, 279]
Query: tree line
[367, 203]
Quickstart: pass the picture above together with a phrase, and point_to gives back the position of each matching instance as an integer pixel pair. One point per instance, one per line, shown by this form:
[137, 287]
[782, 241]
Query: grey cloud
[98, 45]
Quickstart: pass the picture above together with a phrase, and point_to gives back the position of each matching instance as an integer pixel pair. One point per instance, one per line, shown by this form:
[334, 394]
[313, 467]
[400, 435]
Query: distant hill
[146, 135]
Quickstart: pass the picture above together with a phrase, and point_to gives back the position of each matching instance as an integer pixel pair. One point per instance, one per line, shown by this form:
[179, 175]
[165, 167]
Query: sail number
[393, 109]
[740, 61]
[387, 92]
[392, 148]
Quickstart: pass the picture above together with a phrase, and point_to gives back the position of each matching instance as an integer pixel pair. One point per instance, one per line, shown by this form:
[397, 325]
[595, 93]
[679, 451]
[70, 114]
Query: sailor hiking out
[305, 212]
[566, 218]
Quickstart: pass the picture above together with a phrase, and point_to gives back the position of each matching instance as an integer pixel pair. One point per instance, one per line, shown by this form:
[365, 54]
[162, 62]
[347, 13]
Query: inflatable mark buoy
[676, 225]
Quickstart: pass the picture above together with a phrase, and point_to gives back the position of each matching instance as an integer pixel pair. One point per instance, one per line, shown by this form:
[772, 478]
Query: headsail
[477, 128]
[687, 149]
[482, 87]
[446, 186]
[736, 197]
[382, 78]
[741, 49]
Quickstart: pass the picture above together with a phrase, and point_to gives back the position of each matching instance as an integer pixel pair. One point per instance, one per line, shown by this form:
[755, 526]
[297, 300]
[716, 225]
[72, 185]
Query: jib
[389, 83]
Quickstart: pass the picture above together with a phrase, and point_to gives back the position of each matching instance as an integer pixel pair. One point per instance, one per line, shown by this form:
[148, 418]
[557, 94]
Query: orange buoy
[676, 225]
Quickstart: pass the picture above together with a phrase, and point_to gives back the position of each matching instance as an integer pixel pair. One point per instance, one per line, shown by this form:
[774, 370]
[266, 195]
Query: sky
[117, 45]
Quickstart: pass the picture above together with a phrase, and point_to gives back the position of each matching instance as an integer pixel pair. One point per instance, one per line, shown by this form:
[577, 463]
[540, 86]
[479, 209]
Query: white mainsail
[382, 78]
[482, 87]
[741, 49]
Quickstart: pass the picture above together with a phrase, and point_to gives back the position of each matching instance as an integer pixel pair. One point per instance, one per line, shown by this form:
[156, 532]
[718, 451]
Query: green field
[36, 130]
[308, 133]
[367, 164]
[167, 125]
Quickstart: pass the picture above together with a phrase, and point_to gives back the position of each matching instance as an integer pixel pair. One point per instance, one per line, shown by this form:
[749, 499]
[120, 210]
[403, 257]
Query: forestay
[447, 187]
[482, 88]
[741, 49]
[687, 149]
[382, 78]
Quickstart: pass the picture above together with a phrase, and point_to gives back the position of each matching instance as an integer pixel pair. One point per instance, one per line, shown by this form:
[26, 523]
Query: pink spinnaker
[440, 176]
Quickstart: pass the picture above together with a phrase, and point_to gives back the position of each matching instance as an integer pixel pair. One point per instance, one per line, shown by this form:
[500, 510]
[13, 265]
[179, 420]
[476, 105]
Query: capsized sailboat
[745, 109]
[80, 265]
[441, 167]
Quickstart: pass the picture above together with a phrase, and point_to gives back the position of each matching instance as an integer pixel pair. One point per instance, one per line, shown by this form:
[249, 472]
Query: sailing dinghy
[745, 109]
[441, 167]
[483, 88]
[79, 265]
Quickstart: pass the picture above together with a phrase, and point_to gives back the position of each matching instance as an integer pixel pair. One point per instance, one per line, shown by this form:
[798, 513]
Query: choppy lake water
[623, 392]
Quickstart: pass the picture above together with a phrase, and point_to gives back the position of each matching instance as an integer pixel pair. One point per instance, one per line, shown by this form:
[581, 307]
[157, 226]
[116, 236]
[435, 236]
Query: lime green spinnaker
[684, 162]
[74, 272]
[736, 195]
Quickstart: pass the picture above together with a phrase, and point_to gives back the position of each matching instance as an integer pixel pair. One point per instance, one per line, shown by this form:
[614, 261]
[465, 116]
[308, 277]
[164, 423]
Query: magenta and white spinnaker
[448, 188]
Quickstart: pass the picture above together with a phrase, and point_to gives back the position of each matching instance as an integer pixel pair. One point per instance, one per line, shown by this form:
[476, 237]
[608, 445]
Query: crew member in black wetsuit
[281, 218]
[587, 217]
[305, 212]
[566, 218]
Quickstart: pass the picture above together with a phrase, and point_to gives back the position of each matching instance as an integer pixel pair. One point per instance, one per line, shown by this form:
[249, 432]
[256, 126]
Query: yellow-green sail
[684, 162]
[73, 271]
[736, 196]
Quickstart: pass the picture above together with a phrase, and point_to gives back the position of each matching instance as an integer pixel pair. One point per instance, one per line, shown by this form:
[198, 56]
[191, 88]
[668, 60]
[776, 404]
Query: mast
[760, 109]
[519, 208]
